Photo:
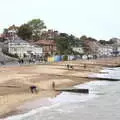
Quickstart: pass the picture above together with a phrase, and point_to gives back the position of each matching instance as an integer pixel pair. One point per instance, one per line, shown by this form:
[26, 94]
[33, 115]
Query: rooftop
[45, 42]
[16, 41]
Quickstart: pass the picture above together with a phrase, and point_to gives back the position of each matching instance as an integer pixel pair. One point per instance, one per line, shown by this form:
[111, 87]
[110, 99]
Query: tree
[91, 39]
[84, 43]
[5, 31]
[82, 38]
[62, 43]
[10, 32]
[65, 43]
[89, 44]
[13, 28]
[103, 42]
[37, 26]
[25, 32]
[72, 40]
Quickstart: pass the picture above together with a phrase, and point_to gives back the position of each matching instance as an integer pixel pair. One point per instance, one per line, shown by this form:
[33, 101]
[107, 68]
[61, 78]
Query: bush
[65, 58]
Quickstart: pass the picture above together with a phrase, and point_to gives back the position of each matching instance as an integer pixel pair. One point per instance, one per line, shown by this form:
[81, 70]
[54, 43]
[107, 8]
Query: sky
[99, 19]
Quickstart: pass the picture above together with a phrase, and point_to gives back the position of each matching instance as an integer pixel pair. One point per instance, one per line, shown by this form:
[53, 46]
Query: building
[115, 41]
[49, 46]
[36, 51]
[114, 46]
[49, 35]
[78, 50]
[22, 48]
[11, 32]
[105, 50]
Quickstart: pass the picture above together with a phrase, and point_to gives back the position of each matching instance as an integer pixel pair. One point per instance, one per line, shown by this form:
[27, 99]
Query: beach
[15, 81]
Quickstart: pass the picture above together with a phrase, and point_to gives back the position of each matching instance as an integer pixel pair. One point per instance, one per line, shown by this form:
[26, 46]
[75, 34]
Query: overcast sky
[96, 18]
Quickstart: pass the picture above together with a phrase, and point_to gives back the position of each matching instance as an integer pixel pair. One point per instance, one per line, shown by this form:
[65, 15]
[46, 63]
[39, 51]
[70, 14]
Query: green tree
[5, 31]
[37, 26]
[25, 32]
[64, 43]
[82, 38]
[103, 42]
[84, 41]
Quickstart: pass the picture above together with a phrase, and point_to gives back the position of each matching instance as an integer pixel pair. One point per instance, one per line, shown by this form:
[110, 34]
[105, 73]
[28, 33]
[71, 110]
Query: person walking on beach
[71, 66]
[68, 66]
[33, 88]
[53, 85]
[85, 66]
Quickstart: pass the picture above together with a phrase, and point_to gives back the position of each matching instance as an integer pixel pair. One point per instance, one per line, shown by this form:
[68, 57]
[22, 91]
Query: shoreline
[50, 73]
[18, 110]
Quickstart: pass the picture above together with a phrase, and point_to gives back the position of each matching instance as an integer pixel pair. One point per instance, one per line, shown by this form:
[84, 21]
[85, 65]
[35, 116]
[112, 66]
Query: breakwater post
[76, 90]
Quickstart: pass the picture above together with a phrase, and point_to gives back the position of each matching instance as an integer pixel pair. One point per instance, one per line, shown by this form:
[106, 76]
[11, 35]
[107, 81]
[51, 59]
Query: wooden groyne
[101, 78]
[76, 90]
[92, 78]
[84, 77]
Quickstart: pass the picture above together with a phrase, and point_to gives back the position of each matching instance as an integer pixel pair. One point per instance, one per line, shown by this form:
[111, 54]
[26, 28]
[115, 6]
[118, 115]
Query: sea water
[102, 103]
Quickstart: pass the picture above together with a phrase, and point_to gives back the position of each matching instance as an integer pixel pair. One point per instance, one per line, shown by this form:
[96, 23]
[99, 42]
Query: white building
[78, 49]
[105, 50]
[22, 48]
[36, 50]
[116, 40]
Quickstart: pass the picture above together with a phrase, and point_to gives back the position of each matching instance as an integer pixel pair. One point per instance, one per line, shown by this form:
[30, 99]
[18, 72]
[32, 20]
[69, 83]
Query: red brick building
[49, 46]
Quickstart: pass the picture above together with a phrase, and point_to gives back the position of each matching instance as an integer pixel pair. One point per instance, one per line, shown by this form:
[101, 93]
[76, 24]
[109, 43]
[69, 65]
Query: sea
[102, 103]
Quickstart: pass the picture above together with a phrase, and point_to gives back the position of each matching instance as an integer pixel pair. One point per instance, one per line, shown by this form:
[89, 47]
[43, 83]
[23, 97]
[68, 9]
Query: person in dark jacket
[33, 89]
[53, 85]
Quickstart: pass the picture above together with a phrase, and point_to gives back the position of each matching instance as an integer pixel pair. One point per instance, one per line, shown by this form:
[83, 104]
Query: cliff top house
[22, 48]
[49, 46]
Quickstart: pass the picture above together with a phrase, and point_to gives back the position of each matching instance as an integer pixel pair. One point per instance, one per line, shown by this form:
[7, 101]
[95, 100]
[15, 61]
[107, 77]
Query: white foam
[92, 84]
[30, 113]
[108, 73]
[67, 97]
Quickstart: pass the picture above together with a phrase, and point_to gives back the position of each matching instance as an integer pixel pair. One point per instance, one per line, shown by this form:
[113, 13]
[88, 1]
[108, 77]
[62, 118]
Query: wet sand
[16, 80]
